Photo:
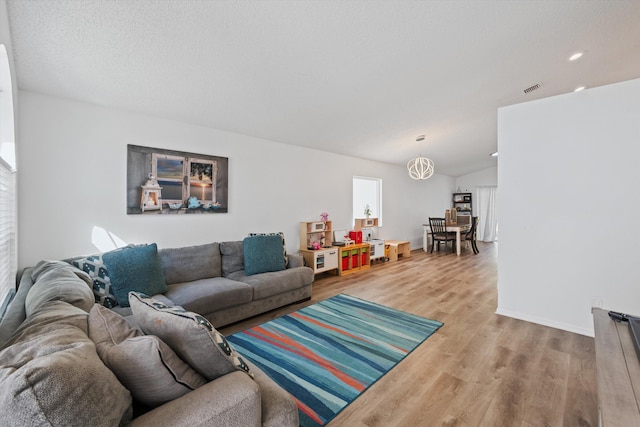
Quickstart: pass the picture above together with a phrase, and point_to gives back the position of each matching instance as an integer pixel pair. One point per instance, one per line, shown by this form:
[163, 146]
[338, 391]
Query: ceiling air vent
[532, 88]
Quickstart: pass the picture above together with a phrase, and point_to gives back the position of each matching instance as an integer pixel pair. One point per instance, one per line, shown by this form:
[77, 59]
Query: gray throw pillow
[144, 364]
[189, 334]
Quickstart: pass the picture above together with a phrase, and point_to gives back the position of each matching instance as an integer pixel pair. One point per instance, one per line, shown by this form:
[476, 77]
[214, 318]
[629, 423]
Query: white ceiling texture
[360, 78]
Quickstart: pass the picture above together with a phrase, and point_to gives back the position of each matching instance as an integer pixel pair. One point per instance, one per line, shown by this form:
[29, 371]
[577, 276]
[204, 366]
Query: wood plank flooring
[479, 369]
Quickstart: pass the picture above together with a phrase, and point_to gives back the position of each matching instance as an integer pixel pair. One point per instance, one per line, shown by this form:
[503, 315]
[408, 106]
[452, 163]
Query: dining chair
[440, 234]
[472, 234]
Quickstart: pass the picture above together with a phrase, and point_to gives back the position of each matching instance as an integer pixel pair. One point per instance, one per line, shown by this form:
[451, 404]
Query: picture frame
[161, 181]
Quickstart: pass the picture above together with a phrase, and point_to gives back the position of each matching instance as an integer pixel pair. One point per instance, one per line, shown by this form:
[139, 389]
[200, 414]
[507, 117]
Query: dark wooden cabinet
[462, 203]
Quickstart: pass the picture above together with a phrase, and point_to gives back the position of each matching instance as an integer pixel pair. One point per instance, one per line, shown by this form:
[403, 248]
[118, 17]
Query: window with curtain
[486, 209]
[8, 216]
[367, 192]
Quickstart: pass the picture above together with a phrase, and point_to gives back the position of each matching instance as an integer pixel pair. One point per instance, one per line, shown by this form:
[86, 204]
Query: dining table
[458, 228]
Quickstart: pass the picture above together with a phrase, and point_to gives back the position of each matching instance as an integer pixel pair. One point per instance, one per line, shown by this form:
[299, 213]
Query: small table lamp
[151, 195]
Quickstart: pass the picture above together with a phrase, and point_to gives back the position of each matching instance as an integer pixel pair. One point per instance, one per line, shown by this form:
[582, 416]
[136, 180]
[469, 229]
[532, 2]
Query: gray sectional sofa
[210, 280]
[54, 371]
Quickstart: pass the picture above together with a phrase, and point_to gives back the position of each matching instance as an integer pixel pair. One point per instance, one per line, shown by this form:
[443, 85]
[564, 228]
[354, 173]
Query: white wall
[5, 39]
[469, 184]
[72, 176]
[483, 178]
[568, 178]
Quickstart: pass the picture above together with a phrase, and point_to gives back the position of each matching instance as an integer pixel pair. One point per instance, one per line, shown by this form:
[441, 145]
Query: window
[8, 217]
[183, 177]
[367, 192]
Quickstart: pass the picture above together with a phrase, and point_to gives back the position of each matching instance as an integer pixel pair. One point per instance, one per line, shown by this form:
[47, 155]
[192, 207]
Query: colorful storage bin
[345, 260]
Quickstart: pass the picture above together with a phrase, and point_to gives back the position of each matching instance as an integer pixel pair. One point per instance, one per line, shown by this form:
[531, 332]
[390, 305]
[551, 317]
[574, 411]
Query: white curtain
[487, 212]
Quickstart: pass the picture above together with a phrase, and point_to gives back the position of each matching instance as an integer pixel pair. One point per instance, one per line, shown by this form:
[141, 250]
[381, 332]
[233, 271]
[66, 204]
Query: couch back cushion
[232, 257]
[135, 268]
[191, 263]
[59, 281]
[50, 374]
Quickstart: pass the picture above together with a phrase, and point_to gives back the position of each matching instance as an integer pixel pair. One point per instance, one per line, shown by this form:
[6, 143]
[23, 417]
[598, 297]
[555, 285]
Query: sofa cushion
[284, 244]
[50, 374]
[232, 258]
[191, 263]
[135, 268]
[127, 314]
[144, 364]
[189, 334]
[94, 266]
[273, 283]
[295, 261]
[209, 295]
[262, 254]
[59, 281]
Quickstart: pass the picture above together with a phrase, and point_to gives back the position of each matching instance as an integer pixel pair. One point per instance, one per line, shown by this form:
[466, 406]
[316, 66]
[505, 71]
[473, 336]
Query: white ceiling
[360, 78]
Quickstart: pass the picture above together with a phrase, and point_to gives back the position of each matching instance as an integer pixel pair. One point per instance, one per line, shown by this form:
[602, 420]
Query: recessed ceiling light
[494, 154]
[576, 56]
[578, 89]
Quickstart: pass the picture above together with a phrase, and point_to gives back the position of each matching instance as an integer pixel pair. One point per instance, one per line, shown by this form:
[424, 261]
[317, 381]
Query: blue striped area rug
[325, 355]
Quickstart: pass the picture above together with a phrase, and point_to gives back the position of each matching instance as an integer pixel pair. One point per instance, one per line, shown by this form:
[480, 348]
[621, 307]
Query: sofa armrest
[231, 400]
[295, 260]
[278, 407]
[16, 313]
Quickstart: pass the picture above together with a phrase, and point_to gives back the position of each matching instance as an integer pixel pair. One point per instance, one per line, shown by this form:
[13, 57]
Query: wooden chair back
[438, 225]
[474, 226]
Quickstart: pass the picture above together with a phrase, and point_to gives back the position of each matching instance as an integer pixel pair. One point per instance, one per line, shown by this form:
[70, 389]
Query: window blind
[8, 227]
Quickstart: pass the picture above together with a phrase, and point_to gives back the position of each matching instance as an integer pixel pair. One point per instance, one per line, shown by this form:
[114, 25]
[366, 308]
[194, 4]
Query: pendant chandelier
[420, 167]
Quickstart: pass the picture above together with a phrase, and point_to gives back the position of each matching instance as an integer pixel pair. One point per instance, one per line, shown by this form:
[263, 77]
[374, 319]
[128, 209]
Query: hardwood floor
[479, 369]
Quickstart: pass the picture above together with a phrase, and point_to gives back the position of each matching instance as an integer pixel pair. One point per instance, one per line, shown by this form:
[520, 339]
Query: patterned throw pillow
[94, 266]
[190, 335]
[144, 364]
[284, 245]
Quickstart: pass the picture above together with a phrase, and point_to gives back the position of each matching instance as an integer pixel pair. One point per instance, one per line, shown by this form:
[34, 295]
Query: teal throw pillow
[284, 244]
[262, 254]
[135, 268]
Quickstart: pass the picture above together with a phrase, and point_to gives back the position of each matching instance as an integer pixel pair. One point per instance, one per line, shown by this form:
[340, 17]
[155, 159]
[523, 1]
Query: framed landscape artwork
[172, 182]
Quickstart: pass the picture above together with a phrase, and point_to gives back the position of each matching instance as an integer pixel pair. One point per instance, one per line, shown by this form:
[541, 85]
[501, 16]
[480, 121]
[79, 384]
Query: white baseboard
[546, 322]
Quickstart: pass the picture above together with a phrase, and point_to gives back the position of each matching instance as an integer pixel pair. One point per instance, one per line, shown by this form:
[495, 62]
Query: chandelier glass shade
[420, 167]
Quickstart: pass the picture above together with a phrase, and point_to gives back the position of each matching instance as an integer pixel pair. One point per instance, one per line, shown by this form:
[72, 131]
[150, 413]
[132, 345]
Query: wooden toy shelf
[353, 258]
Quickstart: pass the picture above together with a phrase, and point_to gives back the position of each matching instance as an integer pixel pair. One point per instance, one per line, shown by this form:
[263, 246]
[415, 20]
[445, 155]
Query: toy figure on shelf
[316, 246]
[324, 216]
[193, 203]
